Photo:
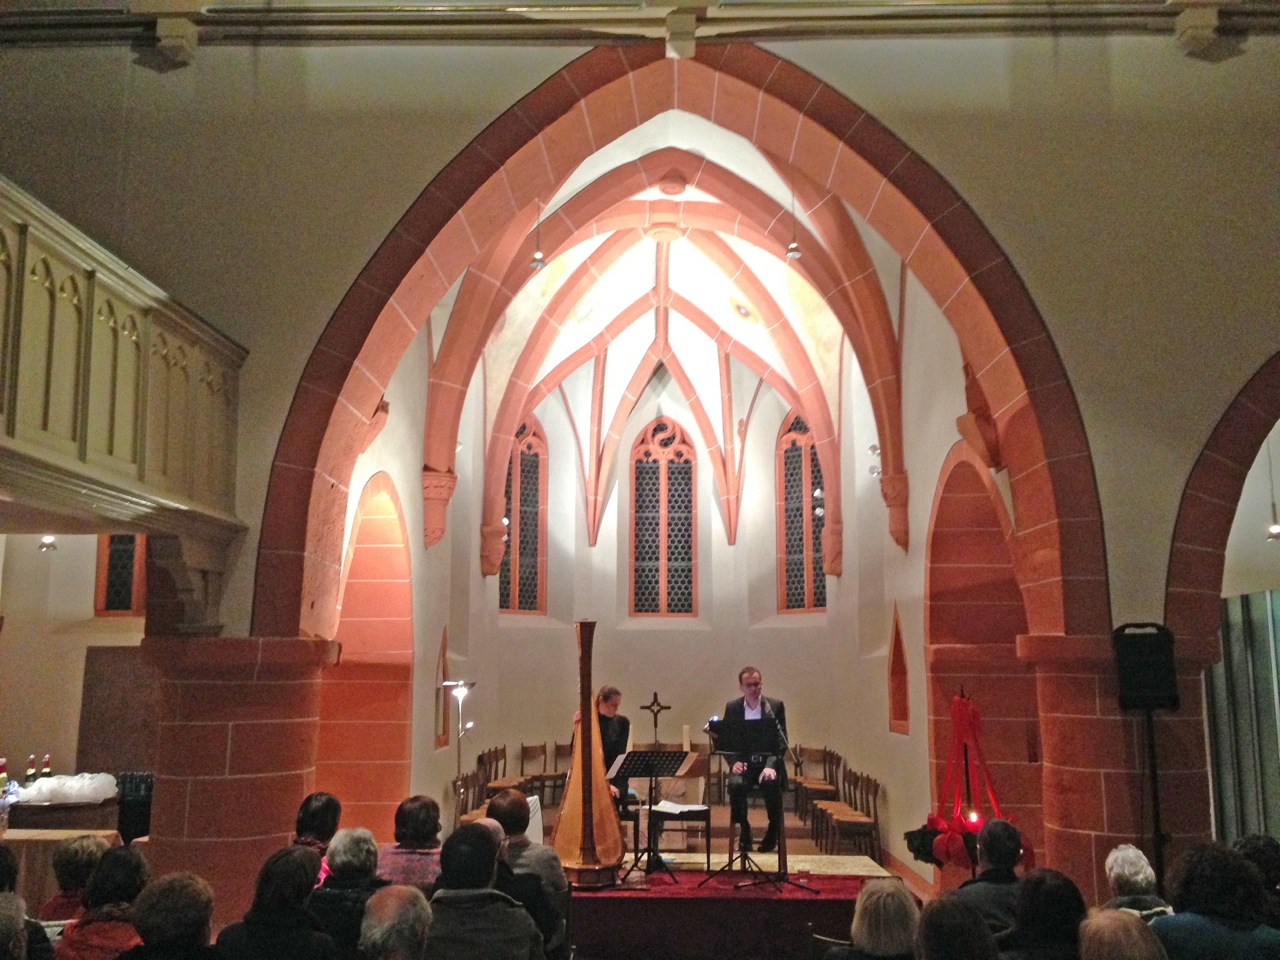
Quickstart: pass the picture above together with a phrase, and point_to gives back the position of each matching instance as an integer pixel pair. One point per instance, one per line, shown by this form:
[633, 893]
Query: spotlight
[793, 251]
[48, 543]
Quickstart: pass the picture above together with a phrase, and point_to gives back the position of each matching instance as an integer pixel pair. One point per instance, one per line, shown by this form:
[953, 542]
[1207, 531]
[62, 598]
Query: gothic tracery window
[523, 572]
[802, 585]
[664, 543]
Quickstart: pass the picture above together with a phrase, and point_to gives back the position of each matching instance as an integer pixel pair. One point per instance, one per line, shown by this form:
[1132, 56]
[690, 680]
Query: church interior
[897, 362]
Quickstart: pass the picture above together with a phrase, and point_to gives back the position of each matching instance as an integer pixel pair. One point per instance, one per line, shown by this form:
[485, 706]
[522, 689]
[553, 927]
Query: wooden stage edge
[662, 917]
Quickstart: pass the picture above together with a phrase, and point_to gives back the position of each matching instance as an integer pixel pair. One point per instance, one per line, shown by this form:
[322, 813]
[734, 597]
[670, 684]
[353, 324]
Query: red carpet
[682, 921]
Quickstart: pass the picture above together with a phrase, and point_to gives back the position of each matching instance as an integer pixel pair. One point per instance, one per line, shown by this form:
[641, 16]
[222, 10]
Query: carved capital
[493, 544]
[437, 489]
[833, 549]
[893, 488]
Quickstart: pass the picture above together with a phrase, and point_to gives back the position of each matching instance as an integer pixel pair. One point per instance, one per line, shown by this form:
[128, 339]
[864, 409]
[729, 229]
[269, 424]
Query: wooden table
[34, 849]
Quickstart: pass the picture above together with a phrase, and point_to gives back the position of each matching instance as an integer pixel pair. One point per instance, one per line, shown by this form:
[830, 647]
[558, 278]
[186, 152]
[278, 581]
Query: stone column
[235, 754]
[1096, 782]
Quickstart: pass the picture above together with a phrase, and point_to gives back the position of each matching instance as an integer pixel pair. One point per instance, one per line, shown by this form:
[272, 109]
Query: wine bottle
[31, 771]
[44, 767]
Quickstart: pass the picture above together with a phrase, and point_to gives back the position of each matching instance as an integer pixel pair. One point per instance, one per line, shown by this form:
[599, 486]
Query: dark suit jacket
[737, 710]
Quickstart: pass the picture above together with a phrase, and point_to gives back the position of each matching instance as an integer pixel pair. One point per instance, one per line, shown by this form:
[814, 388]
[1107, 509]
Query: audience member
[1264, 853]
[74, 860]
[278, 925]
[37, 945]
[994, 891]
[173, 917]
[1133, 884]
[105, 929]
[415, 856]
[317, 822]
[526, 855]
[13, 927]
[1217, 904]
[885, 918]
[953, 929]
[1119, 935]
[1046, 925]
[469, 919]
[339, 901]
[526, 890]
[395, 924]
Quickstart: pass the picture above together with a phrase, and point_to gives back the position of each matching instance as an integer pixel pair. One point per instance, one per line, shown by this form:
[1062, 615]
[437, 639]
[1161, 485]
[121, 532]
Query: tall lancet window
[522, 578]
[664, 542]
[801, 509]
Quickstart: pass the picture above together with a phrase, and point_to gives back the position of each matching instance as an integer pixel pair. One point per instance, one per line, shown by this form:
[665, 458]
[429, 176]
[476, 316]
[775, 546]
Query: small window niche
[899, 701]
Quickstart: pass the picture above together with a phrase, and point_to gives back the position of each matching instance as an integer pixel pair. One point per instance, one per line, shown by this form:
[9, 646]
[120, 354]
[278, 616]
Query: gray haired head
[1129, 874]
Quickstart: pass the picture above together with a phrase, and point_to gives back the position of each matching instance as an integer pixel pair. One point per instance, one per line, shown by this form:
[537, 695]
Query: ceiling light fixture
[538, 261]
[1273, 531]
[49, 543]
[793, 248]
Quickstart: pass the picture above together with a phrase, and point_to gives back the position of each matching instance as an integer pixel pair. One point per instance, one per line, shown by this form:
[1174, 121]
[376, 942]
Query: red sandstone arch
[793, 118]
[974, 612]
[1193, 585]
[363, 750]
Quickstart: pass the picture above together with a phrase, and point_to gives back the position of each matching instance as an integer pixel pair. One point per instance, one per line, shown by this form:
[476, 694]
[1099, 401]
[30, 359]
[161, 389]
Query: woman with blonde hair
[1119, 935]
[884, 924]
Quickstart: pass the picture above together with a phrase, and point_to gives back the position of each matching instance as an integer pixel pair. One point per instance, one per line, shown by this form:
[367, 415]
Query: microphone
[707, 727]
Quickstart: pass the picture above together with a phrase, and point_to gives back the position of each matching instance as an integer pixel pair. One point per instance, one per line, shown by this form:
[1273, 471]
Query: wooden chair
[533, 766]
[468, 792]
[492, 765]
[555, 778]
[811, 786]
[823, 809]
[861, 824]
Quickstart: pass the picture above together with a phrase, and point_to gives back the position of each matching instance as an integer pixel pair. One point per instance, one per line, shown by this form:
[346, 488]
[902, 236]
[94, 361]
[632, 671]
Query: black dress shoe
[770, 841]
[744, 841]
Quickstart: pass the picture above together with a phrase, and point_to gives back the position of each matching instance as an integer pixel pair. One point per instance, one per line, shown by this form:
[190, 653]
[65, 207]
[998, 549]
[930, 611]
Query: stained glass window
[664, 541]
[522, 574]
[802, 584]
[122, 576]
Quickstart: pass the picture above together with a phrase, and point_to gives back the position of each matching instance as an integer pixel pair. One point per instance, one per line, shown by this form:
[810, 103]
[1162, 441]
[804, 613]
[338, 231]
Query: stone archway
[466, 213]
[974, 613]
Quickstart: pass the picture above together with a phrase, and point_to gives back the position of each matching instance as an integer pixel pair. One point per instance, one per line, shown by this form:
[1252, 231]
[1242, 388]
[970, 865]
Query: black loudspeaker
[1147, 675]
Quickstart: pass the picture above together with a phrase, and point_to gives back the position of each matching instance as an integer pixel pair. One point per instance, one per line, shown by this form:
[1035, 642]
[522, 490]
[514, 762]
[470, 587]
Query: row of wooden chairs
[853, 818]
[817, 778]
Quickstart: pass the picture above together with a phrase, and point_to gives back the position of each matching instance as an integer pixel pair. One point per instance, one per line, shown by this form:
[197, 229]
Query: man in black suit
[768, 771]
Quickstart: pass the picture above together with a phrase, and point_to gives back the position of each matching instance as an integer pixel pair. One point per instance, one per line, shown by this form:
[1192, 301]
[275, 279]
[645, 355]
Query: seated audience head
[495, 828]
[74, 860]
[176, 910]
[119, 878]
[1215, 881]
[418, 823]
[884, 919]
[395, 924]
[353, 855]
[286, 880]
[1119, 935]
[318, 817]
[1129, 873]
[1049, 910]
[951, 929]
[8, 869]
[469, 858]
[999, 845]
[1264, 853]
[511, 809]
[13, 927]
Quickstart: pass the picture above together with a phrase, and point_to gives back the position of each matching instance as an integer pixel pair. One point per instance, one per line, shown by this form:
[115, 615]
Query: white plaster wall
[1252, 561]
[48, 624]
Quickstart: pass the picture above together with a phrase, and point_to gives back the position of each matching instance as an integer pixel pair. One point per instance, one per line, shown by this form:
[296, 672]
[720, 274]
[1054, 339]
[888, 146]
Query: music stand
[652, 764]
[736, 739]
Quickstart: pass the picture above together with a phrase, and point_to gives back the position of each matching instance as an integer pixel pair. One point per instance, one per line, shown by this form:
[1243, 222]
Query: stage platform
[660, 917]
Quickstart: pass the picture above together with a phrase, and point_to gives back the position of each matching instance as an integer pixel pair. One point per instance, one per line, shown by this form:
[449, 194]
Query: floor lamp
[460, 689]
